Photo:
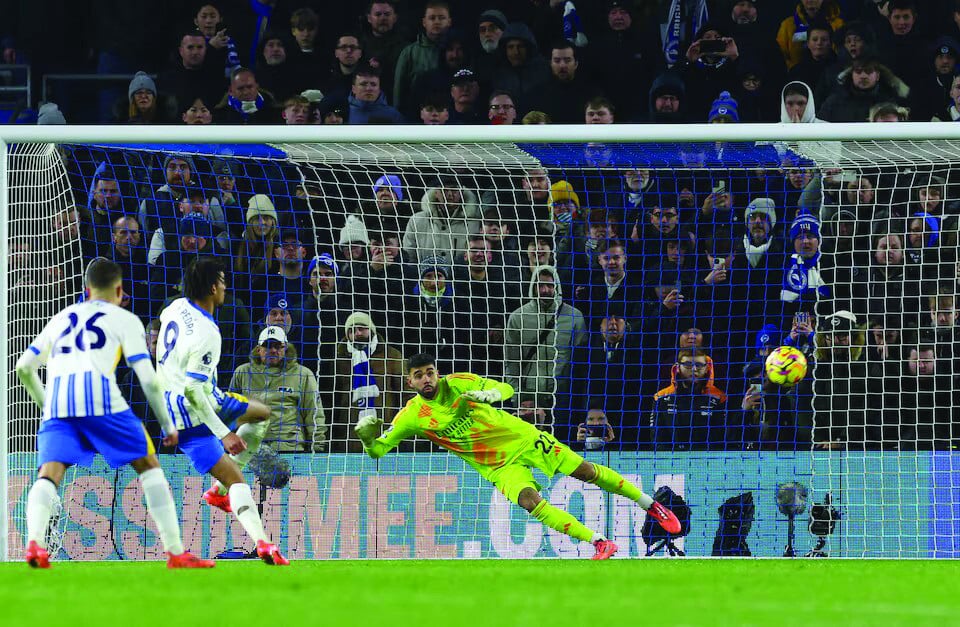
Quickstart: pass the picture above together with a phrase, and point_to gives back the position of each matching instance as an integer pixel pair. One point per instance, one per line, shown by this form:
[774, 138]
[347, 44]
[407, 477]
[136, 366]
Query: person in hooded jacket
[522, 71]
[865, 83]
[797, 105]
[691, 412]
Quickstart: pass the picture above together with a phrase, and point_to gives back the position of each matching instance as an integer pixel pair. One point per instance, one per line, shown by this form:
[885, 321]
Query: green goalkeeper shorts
[544, 453]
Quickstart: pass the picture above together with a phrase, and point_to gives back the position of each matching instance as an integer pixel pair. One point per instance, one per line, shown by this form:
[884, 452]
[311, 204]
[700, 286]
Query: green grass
[551, 593]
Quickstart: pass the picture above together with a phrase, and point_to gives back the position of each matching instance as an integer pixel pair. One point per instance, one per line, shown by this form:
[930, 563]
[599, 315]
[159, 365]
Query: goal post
[628, 214]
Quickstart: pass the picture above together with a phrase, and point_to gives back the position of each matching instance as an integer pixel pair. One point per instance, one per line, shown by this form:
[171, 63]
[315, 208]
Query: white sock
[645, 501]
[41, 501]
[252, 434]
[596, 538]
[241, 502]
[161, 508]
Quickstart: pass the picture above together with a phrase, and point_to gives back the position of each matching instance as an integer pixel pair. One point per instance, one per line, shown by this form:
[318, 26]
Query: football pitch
[552, 593]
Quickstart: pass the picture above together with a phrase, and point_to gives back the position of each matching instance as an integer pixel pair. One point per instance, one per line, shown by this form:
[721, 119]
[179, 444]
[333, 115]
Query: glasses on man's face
[501, 107]
[693, 365]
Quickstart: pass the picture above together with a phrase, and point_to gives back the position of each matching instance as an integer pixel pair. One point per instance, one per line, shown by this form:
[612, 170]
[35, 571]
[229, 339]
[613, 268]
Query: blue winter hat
[933, 226]
[805, 222]
[393, 182]
[196, 224]
[277, 301]
[768, 336]
[724, 105]
[326, 260]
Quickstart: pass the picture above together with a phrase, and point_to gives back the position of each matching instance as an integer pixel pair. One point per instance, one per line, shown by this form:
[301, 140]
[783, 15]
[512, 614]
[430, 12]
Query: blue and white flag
[572, 27]
[700, 17]
[671, 40]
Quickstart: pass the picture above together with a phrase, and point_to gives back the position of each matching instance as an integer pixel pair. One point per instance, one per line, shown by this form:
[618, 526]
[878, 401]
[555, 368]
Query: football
[786, 366]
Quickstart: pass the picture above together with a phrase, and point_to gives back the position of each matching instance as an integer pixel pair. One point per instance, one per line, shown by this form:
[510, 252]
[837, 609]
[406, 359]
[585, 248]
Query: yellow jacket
[792, 36]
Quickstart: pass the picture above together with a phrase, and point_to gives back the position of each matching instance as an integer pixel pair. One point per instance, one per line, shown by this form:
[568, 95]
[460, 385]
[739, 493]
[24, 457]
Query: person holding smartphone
[596, 432]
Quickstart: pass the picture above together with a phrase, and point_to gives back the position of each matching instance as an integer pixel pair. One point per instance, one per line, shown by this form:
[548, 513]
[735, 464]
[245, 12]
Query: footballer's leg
[163, 511]
[228, 474]
[251, 416]
[612, 481]
[42, 500]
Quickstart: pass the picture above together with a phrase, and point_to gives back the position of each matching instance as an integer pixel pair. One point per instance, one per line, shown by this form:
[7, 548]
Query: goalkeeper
[454, 412]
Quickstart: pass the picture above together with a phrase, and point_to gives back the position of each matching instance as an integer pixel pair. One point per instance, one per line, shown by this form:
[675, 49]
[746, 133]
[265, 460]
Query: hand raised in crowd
[717, 275]
[751, 400]
[801, 327]
[673, 299]
[715, 201]
[220, 40]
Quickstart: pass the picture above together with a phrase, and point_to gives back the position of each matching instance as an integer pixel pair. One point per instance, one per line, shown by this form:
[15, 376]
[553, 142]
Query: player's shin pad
[561, 521]
[612, 481]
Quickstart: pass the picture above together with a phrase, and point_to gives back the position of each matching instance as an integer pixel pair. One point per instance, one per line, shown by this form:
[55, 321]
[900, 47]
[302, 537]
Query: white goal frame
[405, 134]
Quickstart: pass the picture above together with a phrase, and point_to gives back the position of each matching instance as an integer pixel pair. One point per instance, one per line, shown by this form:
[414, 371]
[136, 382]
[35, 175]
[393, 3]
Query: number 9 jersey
[188, 347]
[81, 347]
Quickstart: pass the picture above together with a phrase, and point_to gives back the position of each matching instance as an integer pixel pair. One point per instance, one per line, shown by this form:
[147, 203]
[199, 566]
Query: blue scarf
[802, 277]
[237, 105]
[364, 391]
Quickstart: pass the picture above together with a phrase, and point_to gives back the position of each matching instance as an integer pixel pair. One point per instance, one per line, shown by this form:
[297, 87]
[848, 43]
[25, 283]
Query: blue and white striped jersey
[81, 347]
[188, 347]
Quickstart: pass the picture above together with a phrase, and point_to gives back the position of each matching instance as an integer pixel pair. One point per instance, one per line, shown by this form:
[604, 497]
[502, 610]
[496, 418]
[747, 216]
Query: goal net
[629, 292]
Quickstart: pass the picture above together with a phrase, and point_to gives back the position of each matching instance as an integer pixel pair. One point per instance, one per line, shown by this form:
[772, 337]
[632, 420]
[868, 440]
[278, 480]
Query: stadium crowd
[630, 307]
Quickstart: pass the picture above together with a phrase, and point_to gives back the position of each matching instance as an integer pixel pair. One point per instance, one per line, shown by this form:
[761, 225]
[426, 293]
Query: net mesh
[629, 293]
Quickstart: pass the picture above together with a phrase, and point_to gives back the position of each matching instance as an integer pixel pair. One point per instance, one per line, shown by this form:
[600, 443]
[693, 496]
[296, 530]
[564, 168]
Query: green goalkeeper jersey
[483, 436]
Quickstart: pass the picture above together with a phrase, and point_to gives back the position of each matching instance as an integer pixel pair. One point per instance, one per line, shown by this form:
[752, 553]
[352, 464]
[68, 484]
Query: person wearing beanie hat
[761, 250]
[354, 241]
[50, 113]
[261, 205]
[388, 184]
[668, 99]
[923, 232]
[369, 379]
[565, 202]
[723, 110]
[768, 337]
[802, 278]
[142, 99]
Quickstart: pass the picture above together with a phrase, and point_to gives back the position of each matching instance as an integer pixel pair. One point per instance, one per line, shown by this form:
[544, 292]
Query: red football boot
[36, 556]
[667, 519]
[188, 560]
[270, 554]
[605, 550]
[215, 499]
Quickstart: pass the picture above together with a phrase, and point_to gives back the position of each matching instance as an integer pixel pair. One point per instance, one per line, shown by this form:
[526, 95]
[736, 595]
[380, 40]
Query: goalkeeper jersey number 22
[483, 436]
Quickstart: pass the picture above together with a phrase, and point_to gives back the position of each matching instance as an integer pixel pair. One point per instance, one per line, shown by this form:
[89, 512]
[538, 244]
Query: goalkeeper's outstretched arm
[479, 389]
[376, 447]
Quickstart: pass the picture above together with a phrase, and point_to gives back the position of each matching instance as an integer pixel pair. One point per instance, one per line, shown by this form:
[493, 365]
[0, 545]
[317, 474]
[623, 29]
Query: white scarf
[755, 253]
[364, 389]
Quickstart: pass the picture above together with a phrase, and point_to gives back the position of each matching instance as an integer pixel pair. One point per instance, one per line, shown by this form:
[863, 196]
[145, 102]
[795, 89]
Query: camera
[712, 46]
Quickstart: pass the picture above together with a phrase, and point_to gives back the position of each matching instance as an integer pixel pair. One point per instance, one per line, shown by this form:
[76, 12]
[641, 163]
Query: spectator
[598, 110]
[465, 91]
[840, 377]
[667, 99]
[389, 209]
[221, 48]
[758, 260]
[595, 432]
[163, 209]
[690, 413]
[901, 45]
[448, 214]
[49, 113]
[623, 49]
[389, 276]
[432, 316]
[348, 54]
[254, 259]
[708, 73]
[853, 41]
[864, 84]
[196, 112]
[924, 418]
[333, 111]
[505, 247]
[275, 72]
[565, 93]
[368, 104]
[501, 108]
[291, 277]
[277, 313]
[189, 76]
[106, 204]
[297, 420]
[295, 110]
[322, 311]
[422, 55]
[817, 57]
[126, 249]
[521, 70]
[383, 40]
[305, 59]
[369, 380]
[793, 32]
[195, 240]
[608, 373]
[353, 243]
[452, 59]
[931, 95]
[484, 298]
[540, 338]
[144, 104]
[887, 289]
[802, 280]
[224, 203]
[434, 110]
[756, 41]
[245, 102]
[613, 290]
[490, 27]
[797, 104]
[888, 112]
[192, 202]
[536, 117]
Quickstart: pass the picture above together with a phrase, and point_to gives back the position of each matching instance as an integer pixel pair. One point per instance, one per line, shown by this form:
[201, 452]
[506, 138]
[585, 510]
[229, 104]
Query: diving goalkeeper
[454, 412]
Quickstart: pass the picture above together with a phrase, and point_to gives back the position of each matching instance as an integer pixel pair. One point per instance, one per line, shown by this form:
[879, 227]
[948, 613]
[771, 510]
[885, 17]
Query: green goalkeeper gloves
[482, 396]
[368, 429]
